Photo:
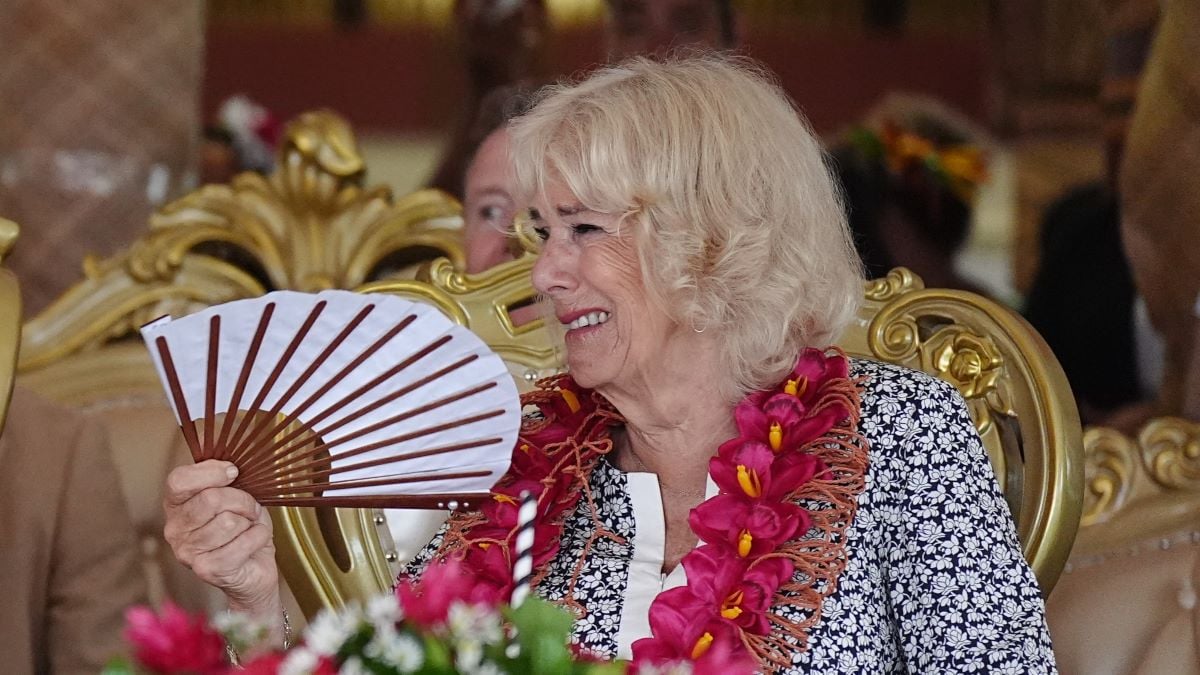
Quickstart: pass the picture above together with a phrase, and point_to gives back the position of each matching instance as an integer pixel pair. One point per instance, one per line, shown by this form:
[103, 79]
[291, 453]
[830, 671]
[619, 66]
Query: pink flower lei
[772, 536]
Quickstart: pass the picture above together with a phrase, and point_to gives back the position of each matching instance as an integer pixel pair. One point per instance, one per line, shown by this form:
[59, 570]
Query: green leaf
[119, 666]
[543, 630]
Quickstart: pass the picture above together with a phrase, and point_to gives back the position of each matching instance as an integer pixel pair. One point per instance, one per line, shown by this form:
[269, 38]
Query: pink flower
[813, 369]
[784, 423]
[565, 412]
[751, 529]
[175, 641]
[444, 583]
[738, 592]
[269, 664]
[751, 470]
[683, 632]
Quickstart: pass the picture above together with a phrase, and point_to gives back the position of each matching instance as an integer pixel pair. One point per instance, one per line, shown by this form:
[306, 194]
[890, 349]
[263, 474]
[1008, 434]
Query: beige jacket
[68, 561]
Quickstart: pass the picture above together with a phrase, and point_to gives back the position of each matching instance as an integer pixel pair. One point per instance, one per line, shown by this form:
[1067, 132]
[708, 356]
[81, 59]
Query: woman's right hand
[223, 536]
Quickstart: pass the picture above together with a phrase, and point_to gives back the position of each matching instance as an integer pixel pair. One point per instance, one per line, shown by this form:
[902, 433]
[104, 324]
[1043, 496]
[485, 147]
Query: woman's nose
[553, 270]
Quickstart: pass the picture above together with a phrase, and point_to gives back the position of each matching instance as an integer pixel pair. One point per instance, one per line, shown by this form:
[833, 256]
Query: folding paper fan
[339, 399]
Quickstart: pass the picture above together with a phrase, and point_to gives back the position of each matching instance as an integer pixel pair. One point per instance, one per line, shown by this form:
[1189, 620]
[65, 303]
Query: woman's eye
[584, 228]
[542, 233]
[491, 212]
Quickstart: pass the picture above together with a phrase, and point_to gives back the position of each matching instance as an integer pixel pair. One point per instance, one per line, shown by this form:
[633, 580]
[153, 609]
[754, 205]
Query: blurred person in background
[653, 26]
[503, 43]
[1159, 200]
[910, 174]
[489, 195]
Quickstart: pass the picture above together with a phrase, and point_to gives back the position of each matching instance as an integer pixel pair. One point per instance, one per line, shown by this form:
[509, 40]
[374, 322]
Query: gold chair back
[1016, 393]
[1140, 490]
[10, 319]
[1015, 390]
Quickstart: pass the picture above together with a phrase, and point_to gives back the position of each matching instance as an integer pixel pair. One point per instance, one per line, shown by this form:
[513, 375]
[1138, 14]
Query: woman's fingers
[224, 528]
[185, 482]
[229, 566]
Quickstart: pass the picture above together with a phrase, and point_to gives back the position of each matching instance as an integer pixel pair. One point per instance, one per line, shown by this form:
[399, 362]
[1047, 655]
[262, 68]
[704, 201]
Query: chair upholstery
[1127, 602]
[1016, 392]
[10, 319]
[309, 226]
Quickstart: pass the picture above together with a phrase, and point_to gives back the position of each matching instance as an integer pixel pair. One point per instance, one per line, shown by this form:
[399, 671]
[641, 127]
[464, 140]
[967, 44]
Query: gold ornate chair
[1127, 602]
[311, 225]
[10, 320]
[1016, 392]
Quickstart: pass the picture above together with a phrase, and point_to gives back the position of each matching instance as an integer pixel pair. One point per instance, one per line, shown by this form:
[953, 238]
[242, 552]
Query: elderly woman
[714, 484]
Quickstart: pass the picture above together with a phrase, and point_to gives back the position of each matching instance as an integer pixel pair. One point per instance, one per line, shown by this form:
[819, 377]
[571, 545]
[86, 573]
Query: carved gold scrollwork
[1110, 460]
[481, 302]
[308, 226]
[899, 281]
[1170, 449]
[968, 361]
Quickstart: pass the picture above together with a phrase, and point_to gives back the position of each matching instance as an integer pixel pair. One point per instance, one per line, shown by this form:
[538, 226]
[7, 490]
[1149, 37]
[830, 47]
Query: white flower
[475, 623]
[486, 668]
[327, 632]
[468, 656]
[240, 630]
[384, 609]
[299, 661]
[402, 651]
[353, 666]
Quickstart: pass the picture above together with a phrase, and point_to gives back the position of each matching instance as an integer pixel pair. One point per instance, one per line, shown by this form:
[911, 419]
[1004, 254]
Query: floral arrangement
[960, 167]
[446, 623]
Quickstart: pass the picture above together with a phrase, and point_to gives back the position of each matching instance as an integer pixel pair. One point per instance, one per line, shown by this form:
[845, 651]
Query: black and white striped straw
[523, 552]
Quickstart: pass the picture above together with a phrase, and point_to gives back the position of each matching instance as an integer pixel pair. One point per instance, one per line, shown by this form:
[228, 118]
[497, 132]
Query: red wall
[408, 80]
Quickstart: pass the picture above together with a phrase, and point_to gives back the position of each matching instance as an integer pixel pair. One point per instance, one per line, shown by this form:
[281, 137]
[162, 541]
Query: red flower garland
[750, 532]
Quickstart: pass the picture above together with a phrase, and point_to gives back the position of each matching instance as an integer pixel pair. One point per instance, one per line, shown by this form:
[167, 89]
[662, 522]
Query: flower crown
[960, 167]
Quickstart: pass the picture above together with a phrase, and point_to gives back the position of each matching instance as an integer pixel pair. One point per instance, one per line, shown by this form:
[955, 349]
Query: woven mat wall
[99, 122]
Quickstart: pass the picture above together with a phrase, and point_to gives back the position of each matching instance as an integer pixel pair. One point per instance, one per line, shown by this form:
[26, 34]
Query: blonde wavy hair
[736, 219]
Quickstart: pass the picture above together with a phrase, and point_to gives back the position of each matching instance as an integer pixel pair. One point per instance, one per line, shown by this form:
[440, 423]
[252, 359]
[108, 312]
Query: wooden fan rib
[295, 414]
[312, 458]
[269, 384]
[243, 378]
[402, 392]
[257, 434]
[464, 500]
[287, 456]
[280, 449]
[277, 480]
[210, 385]
[382, 481]
[181, 408]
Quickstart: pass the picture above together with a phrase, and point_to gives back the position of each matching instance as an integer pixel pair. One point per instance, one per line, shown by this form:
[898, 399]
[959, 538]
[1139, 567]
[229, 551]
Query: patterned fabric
[935, 580]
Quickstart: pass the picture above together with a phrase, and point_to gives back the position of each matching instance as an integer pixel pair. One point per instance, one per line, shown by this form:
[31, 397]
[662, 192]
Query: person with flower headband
[910, 173]
[716, 488]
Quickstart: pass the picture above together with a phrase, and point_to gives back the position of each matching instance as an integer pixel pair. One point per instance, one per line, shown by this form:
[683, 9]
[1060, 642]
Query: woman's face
[588, 268]
[488, 206]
